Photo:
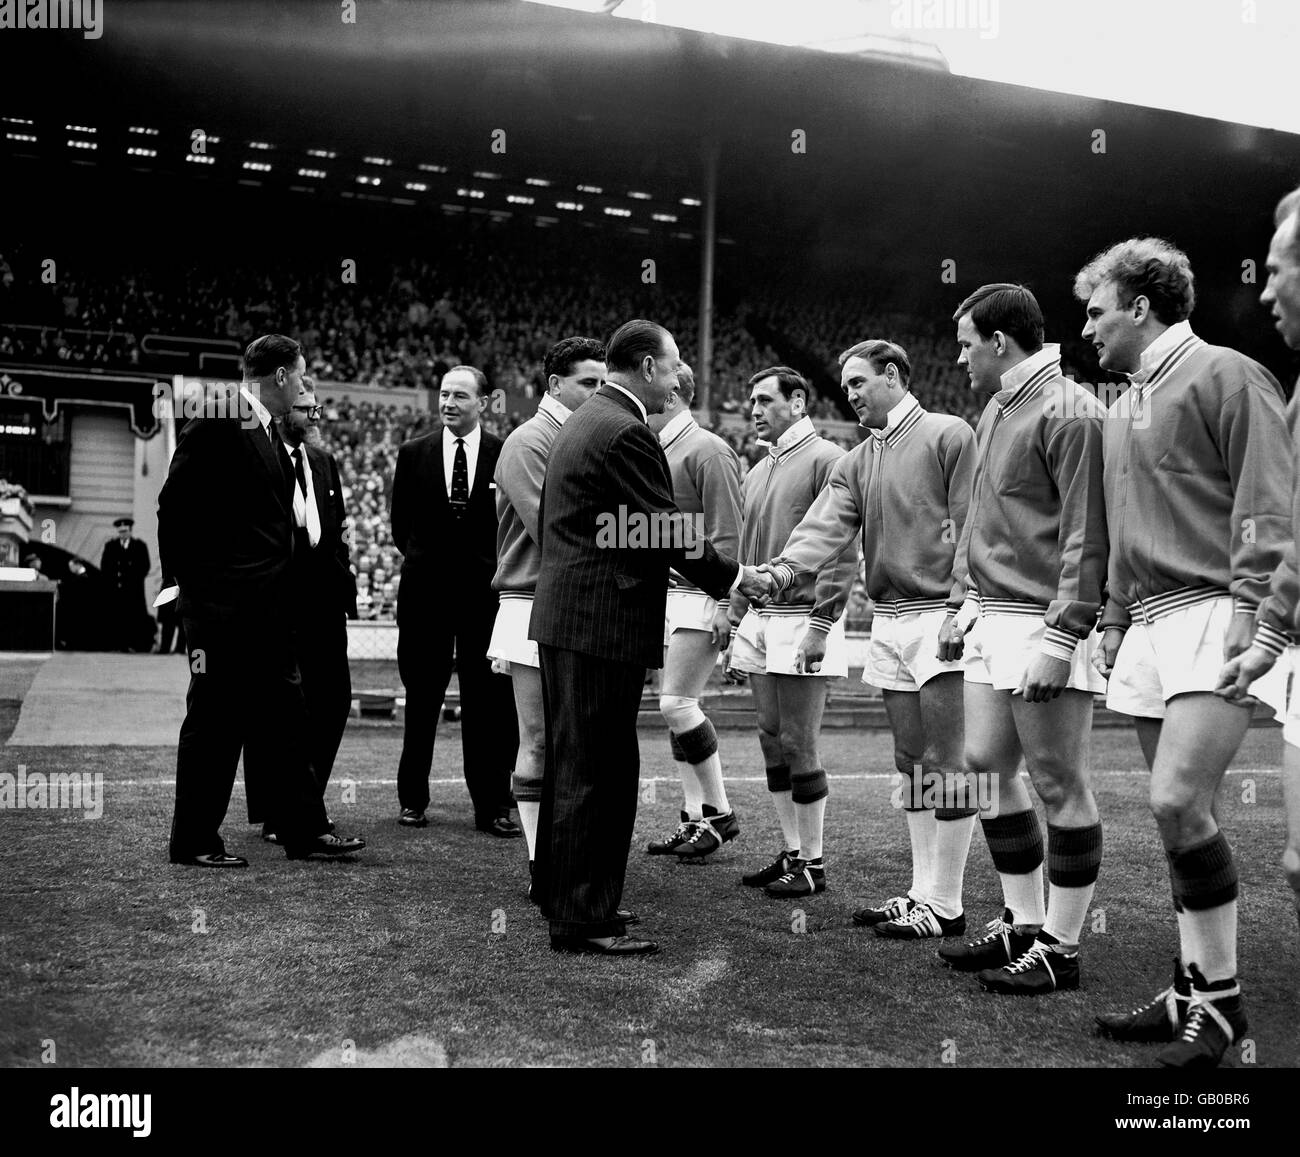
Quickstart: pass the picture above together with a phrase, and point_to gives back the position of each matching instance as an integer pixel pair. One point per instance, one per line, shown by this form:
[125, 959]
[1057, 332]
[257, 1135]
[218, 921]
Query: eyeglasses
[310, 411]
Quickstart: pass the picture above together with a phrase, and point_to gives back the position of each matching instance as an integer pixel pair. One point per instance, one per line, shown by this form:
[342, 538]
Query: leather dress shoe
[213, 860]
[411, 818]
[268, 834]
[626, 916]
[326, 845]
[501, 826]
[604, 946]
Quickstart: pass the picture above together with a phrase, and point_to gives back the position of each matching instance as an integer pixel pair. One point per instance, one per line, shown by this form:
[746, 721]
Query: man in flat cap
[126, 565]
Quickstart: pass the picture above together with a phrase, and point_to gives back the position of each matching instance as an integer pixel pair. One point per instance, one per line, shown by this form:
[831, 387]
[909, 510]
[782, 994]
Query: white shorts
[510, 642]
[903, 652]
[688, 610]
[766, 641]
[999, 649]
[1178, 653]
[1291, 726]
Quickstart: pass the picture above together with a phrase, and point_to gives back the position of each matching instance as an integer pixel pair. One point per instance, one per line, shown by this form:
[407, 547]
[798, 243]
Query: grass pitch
[425, 949]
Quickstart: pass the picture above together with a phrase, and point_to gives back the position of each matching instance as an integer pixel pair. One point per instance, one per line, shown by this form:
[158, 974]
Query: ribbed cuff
[1059, 644]
[1270, 639]
[783, 573]
[820, 623]
[1242, 606]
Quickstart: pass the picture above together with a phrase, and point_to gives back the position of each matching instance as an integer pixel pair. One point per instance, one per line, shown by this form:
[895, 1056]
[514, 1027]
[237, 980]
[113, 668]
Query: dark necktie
[277, 448]
[460, 480]
[298, 470]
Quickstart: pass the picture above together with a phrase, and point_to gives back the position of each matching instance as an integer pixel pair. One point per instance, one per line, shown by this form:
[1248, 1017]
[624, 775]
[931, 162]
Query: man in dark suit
[125, 566]
[444, 518]
[609, 531]
[324, 596]
[226, 532]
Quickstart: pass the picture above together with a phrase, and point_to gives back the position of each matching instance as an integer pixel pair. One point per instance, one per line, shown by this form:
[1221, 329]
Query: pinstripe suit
[598, 621]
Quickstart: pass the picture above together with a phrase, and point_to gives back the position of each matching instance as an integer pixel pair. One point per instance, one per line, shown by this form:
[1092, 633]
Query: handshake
[758, 583]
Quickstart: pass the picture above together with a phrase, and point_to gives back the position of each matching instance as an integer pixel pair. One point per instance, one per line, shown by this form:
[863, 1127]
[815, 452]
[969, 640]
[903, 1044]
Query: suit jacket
[439, 552]
[328, 585]
[603, 585]
[225, 515]
[125, 568]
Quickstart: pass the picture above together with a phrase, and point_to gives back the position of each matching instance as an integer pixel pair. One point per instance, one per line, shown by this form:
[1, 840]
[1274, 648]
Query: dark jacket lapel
[262, 447]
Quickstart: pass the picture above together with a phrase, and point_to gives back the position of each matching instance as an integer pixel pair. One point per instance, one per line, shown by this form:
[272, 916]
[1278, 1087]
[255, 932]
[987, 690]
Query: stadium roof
[904, 166]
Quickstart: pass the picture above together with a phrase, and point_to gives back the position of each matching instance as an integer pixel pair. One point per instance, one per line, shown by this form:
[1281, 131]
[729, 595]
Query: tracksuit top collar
[558, 412]
[676, 428]
[900, 420]
[1164, 354]
[795, 436]
[1025, 380]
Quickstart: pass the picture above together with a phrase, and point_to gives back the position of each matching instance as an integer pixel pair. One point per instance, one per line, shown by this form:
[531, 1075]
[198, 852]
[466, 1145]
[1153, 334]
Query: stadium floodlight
[17, 121]
[690, 201]
[259, 145]
[433, 168]
[669, 218]
[477, 194]
[487, 176]
[319, 174]
[416, 187]
[536, 181]
[142, 131]
[610, 211]
[637, 229]
[364, 180]
[638, 196]
[377, 160]
[572, 206]
[590, 189]
[73, 143]
[80, 129]
[520, 199]
[137, 152]
[200, 159]
[685, 236]
[327, 154]
[257, 166]
[19, 137]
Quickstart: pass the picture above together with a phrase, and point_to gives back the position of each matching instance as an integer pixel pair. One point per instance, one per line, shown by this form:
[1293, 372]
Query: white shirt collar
[263, 414]
[1159, 349]
[471, 439]
[676, 426]
[904, 406]
[801, 429]
[557, 409]
[639, 404]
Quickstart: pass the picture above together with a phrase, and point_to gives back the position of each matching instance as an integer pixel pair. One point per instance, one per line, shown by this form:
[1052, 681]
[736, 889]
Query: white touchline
[674, 779]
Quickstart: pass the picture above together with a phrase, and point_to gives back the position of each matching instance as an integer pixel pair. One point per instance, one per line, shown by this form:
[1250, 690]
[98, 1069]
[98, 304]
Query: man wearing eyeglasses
[325, 597]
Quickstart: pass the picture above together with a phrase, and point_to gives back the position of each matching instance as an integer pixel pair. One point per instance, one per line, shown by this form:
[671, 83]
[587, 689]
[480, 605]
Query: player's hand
[952, 640]
[720, 630]
[500, 666]
[1241, 671]
[756, 585]
[1103, 658]
[1241, 633]
[1045, 679]
[808, 658]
